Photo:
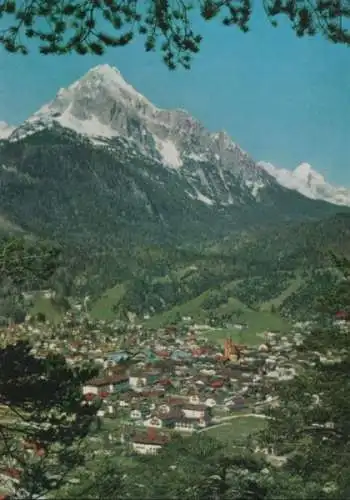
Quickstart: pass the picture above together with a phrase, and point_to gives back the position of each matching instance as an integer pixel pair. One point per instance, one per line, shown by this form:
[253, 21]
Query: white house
[164, 408]
[185, 425]
[194, 399]
[135, 414]
[90, 389]
[155, 422]
[191, 424]
[136, 381]
[210, 402]
[146, 448]
[106, 384]
[195, 411]
[150, 443]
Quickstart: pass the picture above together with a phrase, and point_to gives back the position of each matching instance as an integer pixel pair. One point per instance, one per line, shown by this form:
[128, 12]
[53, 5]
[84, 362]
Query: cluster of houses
[169, 396]
[180, 382]
[154, 382]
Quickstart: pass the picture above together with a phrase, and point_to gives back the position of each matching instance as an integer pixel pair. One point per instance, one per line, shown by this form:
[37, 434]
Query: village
[153, 383]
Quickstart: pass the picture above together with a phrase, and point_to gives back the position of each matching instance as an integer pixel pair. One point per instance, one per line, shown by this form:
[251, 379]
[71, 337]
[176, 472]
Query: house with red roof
[149, 443]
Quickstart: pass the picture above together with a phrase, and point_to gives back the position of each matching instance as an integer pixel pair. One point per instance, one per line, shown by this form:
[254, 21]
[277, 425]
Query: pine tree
[46, 418]
[167, 25]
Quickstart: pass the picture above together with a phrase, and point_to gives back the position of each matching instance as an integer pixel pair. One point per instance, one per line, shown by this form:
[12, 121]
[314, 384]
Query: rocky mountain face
[309, 183]
[103, 107]
[100, 164]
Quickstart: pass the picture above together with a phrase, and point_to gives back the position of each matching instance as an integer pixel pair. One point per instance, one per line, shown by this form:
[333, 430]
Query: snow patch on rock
[169, 153]
[5, 130]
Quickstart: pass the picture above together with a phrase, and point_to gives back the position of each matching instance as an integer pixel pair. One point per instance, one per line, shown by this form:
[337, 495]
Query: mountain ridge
[147, 174]
[309, 183]
[157, 180]
[171, 137]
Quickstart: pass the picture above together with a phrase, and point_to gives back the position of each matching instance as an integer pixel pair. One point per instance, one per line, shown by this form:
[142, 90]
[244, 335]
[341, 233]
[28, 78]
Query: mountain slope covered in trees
[283, 270]
[101, 167]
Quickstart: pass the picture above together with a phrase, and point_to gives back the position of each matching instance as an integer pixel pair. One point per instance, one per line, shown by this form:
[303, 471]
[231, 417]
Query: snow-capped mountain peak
[309, 183]
[5, 130]
[167, 151]
[110, 78]
[104, 108]
[304, 169]
[91, 105]
[305, 173]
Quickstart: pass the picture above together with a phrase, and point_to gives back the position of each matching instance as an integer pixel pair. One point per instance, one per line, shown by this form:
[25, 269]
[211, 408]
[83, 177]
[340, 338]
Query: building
[149, 443]
[195, 411]
[138, 380]
[117, 357]
[191, 424]
[106, 385]
[232, 351]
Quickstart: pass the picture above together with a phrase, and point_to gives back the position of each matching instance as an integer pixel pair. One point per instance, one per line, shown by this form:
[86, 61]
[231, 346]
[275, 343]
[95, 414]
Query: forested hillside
[285, 270]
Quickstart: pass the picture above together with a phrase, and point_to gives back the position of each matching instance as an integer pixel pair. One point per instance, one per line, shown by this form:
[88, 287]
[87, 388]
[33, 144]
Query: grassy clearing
[194, 308]
[240, 337]
[6, 415]
[232, 306]
[277, 301]
[236, 429]
[258, 322]
[43, 305]
[191, 308]
[103, 307]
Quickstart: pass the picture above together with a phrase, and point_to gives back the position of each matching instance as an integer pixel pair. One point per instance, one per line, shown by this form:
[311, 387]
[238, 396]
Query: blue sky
[283, 99]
